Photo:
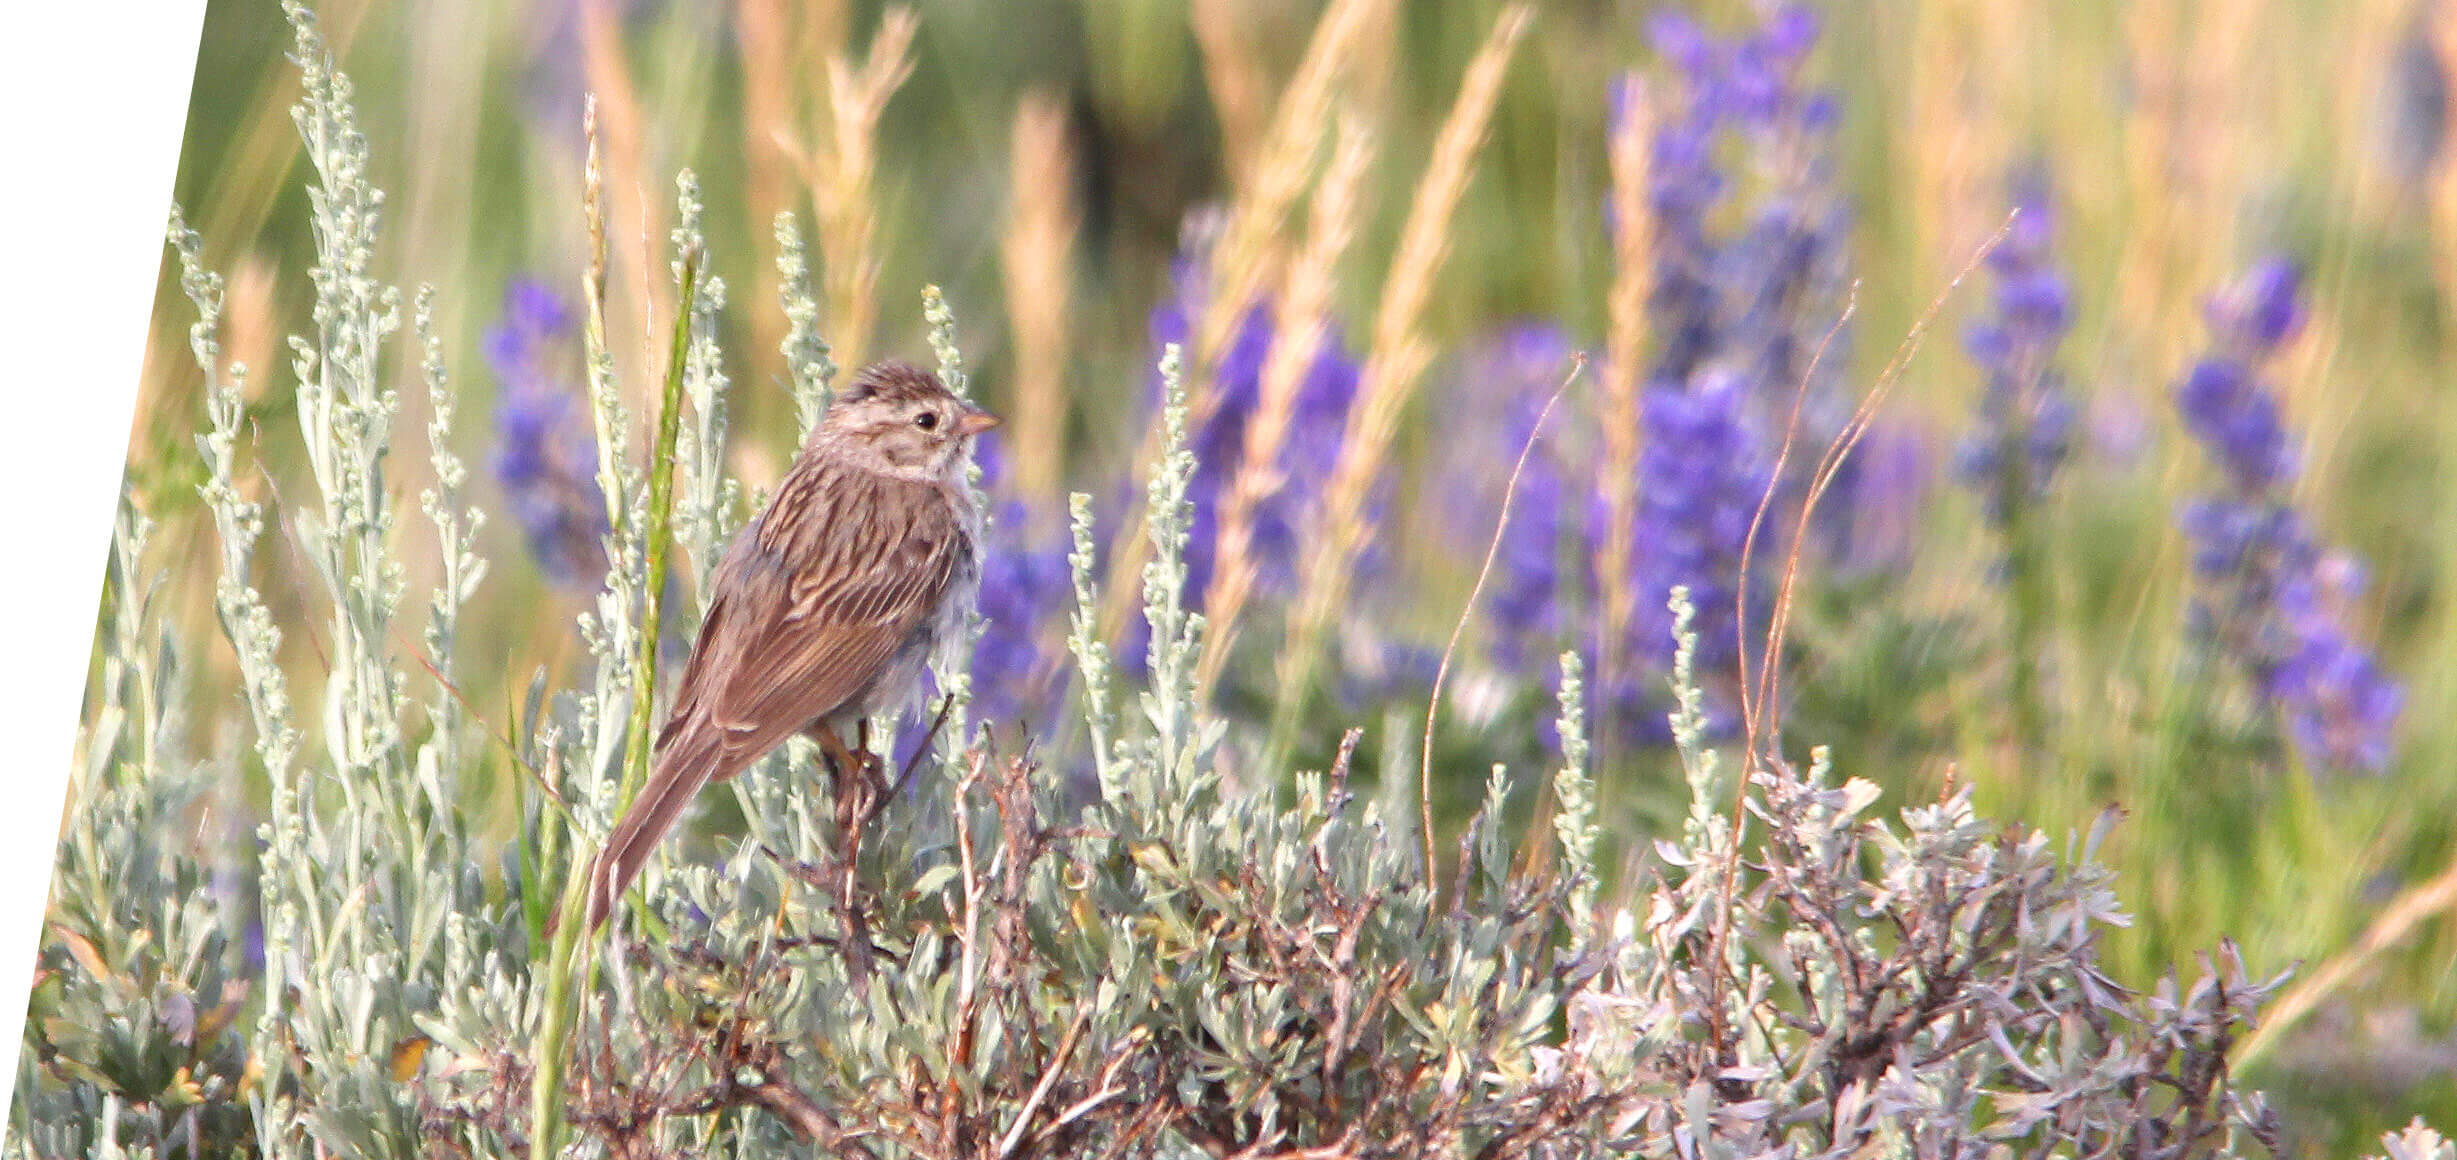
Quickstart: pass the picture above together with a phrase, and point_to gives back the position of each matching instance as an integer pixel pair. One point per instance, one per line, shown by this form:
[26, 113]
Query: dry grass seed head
[1301, 323]
[1400, 352]
[1625, 338]
[1036, 264]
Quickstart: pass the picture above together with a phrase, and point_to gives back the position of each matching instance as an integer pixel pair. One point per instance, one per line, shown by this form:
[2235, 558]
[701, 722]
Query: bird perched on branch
[826, 608]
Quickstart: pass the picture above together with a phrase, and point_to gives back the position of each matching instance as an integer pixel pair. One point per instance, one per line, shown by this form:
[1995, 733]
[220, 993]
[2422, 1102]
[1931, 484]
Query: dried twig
[1492, 552]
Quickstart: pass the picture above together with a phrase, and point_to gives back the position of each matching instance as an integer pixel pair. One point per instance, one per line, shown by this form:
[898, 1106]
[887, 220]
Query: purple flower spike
[1316, 433]
[2262, 311]
[1701, 478]
[1745, 297]
[2272, 597]
[1018, 670]
[1791, 31]
[545, 454]
[2026, 418]
[2234, 415]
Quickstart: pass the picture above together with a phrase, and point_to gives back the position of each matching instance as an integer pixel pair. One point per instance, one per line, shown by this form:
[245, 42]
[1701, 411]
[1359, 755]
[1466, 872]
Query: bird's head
[903, 421]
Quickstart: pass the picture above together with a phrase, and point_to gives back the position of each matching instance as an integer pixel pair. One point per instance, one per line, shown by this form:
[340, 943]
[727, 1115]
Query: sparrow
[826, 608]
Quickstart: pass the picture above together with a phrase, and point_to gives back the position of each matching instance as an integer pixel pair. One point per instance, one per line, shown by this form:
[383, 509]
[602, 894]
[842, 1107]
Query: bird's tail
[694, 756]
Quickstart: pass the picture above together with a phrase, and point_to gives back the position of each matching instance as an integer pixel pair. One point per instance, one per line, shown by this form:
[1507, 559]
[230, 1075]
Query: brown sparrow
[826, 607]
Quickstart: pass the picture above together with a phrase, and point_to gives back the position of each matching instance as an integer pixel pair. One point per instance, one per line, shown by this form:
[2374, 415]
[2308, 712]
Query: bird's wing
[818, 595]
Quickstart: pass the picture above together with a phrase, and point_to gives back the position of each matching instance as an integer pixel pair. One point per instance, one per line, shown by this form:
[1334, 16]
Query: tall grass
[1301, 325]
[1396, 360]
[1037, 257]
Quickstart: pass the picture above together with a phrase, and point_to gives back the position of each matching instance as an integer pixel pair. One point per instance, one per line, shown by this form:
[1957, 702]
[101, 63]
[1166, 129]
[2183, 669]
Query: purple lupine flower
[1745, 296]
[1765, 294]
[545, 454]
[1018, 670]
[2273, 597]
[1316, 431]
[2338, 701]
[1701, 477]
[2026, 418]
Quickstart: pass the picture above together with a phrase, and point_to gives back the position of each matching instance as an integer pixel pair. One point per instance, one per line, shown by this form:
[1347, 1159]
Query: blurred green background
[2185, 139]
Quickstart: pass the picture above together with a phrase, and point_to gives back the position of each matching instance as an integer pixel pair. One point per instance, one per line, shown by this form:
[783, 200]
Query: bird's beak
[975, 421]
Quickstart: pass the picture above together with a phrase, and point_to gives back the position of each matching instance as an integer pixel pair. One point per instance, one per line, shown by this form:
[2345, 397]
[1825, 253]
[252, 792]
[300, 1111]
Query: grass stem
[547, 1057]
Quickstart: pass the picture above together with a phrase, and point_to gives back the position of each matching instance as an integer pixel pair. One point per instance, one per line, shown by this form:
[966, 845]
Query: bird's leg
[874, 767]
[839, 758]
[846, 777]
[854, 791]
[849, 784]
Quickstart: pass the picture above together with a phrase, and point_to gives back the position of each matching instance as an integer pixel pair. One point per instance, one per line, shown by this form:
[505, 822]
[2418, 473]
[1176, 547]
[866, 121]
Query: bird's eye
[926, 420]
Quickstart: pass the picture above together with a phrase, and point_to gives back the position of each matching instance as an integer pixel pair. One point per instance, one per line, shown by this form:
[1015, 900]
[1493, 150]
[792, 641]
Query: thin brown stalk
[1492, 552]
[2405, 912]
[1625, 308]
[1766, 711]
[1037, 265]
[1761, 711]
[1301, 323]
[635, 217]
[1397, 360]
[416, 651]
[1049, 1079]
[1752, 699]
